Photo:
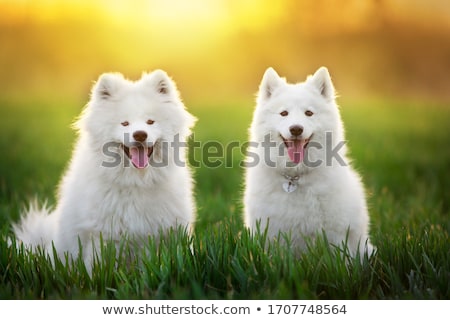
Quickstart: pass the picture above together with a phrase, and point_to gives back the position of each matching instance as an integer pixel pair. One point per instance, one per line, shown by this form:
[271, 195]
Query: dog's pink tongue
[296, 150]
[139, 156]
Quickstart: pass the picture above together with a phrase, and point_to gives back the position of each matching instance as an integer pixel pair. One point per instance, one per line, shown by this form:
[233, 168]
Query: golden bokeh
[220, 48]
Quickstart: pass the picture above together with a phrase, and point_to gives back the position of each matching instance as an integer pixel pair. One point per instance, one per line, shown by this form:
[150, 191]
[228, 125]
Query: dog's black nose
[140, 136]
[296, 130]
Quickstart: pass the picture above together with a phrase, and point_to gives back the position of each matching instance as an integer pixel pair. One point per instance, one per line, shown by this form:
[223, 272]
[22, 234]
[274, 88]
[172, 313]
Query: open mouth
[296, 148]
[139, 155]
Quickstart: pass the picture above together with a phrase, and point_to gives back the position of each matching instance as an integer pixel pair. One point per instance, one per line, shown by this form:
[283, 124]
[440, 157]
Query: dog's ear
[107, 85]
[322, 81]
[161, 83]
[270, 82]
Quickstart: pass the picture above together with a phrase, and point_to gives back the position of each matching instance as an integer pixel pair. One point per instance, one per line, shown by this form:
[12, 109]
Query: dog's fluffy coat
[123, 179]
[304, 184]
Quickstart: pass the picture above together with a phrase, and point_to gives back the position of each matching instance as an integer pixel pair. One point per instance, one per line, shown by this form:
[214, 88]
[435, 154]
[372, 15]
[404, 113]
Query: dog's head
[297, 116]
[138, 118]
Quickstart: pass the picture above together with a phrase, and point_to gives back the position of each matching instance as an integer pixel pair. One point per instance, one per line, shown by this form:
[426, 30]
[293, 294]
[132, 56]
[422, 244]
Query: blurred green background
[389, 60]
[390, 63]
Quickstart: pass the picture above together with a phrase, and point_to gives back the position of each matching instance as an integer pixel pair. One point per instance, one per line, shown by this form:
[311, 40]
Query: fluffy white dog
[299, 180]
[127, 175]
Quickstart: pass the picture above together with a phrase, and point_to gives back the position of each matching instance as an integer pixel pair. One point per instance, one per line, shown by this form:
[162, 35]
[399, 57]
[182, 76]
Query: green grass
[401, 149]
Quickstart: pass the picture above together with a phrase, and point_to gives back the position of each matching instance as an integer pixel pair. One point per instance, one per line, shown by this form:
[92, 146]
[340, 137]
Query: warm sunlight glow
[223, 43]
[203, 17]
[168, 14]
[187, 12]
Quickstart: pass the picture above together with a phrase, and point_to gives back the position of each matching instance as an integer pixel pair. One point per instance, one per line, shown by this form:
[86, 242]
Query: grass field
[401, 149]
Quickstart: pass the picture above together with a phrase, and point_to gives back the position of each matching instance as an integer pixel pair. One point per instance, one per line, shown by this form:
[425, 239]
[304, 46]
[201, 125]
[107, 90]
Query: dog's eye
[309, 113]
[125, 123]
[284, 113]
[150, 121]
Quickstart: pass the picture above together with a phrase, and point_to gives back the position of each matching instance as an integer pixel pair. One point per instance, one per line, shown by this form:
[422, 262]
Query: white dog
[298, 179]
[127, 176]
